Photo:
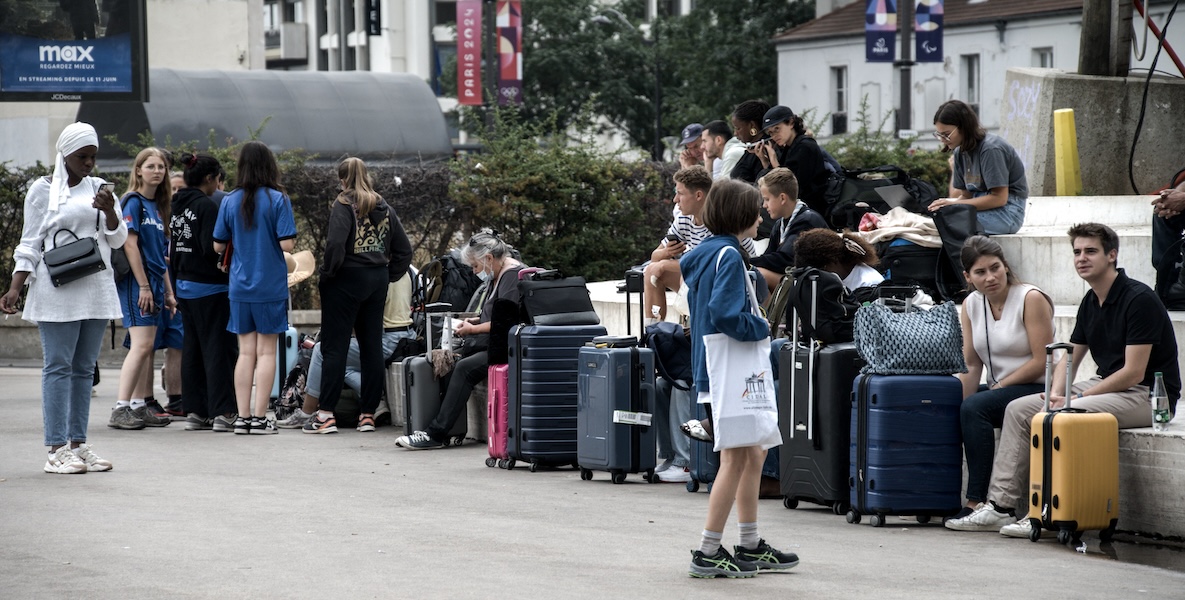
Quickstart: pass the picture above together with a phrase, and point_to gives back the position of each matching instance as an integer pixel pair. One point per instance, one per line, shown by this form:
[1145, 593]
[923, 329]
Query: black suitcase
[542, 390]
[615, 409]
[815, 413]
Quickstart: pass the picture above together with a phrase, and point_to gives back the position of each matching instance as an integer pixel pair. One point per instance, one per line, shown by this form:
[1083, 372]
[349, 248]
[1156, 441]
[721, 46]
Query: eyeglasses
[943, 136]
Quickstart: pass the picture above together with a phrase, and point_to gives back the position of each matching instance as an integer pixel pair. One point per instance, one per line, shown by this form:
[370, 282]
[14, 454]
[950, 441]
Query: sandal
[694, 430]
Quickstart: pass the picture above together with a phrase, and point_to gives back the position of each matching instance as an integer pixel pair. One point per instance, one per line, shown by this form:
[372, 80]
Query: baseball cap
[691, 133]
[775, 115]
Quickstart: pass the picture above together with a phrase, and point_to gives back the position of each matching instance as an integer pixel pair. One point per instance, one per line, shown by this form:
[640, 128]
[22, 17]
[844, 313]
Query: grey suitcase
[421, 399]
[614, 410]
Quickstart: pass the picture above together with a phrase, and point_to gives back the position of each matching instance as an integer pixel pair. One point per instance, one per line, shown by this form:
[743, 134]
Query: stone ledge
[1152, 480]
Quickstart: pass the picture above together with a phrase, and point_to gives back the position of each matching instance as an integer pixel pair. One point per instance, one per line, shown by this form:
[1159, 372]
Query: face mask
[485, 276]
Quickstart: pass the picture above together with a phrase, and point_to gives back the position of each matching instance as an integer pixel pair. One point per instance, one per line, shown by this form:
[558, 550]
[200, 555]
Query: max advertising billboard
[72, 50]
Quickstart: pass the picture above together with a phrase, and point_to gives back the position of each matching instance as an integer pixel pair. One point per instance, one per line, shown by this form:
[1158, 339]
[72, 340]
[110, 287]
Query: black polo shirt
[1131, 315]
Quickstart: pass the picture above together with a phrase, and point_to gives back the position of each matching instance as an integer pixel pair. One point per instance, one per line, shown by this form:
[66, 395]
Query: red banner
[510, 52]
[469, 52]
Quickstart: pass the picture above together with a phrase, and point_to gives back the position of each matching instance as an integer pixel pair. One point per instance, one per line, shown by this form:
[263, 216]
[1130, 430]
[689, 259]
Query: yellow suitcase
[1073, 467]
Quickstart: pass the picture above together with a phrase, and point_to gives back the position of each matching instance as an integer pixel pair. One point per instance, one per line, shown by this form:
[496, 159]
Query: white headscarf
[74, 136]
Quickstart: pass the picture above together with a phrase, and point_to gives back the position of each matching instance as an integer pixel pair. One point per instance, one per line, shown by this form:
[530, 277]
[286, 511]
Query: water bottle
[1160, 404]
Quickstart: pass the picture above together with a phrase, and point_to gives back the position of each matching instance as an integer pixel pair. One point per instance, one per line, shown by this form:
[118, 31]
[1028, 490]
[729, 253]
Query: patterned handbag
[915, 342]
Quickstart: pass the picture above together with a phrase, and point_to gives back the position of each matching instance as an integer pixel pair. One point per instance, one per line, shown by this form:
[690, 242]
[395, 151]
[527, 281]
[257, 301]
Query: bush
[562, 205]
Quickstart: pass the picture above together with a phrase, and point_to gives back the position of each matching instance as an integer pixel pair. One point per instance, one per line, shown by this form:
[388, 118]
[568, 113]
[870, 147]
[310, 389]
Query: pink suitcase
[496, 415]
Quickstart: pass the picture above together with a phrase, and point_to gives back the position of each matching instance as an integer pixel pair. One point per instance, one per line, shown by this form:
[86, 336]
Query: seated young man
[779, 189]
[687, 230]
[1126, 329]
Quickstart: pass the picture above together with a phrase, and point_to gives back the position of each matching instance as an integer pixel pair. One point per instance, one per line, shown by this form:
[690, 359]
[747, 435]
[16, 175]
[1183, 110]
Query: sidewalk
[203, 515]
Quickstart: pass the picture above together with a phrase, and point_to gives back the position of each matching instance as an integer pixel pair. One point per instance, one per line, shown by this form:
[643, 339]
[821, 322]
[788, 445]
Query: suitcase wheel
[618, 477]
[1034, 530]
[693, 486]
[839, 508]
[1063, 536]
[534, 466]
[491, 462]
[650, 477]
[923, 519]
[876, 520]
[586, 474]
[457, 440]
[789, 502]
[853, 517]
[507, 464]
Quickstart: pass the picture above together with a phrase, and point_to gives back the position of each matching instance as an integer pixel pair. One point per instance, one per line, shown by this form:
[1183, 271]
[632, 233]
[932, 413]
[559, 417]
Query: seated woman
[1006, 325]
[491, 260]
[789, 146]
[986, 170]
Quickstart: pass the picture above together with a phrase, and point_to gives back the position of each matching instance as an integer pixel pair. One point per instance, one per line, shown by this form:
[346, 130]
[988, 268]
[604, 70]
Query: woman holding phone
[70, 318]
[146, 291]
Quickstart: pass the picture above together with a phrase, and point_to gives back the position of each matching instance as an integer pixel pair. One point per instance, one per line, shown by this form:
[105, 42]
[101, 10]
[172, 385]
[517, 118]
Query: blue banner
[39, 65]
[928, 29]
[880, 30]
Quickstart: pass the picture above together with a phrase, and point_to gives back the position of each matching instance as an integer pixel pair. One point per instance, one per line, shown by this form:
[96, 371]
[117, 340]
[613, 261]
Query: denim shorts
[258, 317]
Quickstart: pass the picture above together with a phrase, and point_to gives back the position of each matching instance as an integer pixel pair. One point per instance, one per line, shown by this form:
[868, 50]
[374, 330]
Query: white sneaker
[666, 464]
[64, 462]
[674, 475]
[295, 421]
[93, 461]
[1022, 528]
[984, 518]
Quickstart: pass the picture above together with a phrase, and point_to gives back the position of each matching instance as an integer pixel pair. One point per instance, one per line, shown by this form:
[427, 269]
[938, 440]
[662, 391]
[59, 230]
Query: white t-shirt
[862, 276]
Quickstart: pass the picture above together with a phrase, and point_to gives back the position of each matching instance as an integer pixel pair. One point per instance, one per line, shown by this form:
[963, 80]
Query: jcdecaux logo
[65, 53]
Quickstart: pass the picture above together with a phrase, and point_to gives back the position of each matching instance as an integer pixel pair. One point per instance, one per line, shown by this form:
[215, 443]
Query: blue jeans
[1004, 220]
[353, 378]
[71, 350]
[672, 408]
[981, 413]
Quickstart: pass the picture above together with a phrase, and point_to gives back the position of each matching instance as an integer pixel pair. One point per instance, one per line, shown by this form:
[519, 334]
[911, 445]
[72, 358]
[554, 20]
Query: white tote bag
[744, 409]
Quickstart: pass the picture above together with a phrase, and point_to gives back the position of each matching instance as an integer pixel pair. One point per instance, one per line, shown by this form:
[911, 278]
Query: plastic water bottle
[1160, 404]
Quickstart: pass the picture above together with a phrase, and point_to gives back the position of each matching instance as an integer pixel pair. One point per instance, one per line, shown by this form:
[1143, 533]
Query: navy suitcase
[614, 410]
[542, 390]
[906, 451]
[815, 413]
[704, 460]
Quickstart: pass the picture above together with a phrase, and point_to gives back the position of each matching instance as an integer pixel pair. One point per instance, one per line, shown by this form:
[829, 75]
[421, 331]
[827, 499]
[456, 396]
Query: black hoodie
[375, 240]
[192, 225]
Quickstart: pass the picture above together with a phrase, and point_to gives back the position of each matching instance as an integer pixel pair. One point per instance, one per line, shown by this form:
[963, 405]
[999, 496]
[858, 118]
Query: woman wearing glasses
[987, 171]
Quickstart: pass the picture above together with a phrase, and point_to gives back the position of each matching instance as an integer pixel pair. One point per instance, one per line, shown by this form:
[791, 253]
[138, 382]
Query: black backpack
[848, 187]
[825, 310]
[447, 279]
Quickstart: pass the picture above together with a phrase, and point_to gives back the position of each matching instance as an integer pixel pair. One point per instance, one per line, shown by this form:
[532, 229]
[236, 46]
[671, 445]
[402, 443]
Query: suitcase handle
[1049, 350]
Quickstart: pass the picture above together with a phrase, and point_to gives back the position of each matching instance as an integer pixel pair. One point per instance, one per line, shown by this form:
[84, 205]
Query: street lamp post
[656, 151]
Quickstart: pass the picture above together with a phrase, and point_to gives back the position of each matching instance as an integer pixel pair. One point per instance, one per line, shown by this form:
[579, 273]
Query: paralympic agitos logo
[65, 53]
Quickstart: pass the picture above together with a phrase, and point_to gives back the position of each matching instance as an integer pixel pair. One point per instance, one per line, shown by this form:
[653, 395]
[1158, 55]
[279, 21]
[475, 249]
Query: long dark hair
[958, 114]
[257, 168]
[198, 167]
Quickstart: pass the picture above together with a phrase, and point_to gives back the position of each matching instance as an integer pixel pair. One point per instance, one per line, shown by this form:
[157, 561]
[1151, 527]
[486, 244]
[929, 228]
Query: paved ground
[203, 515]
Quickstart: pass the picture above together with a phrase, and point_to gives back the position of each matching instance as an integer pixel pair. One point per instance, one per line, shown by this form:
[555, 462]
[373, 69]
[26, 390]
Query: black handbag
[74, 260]
[955, 223]
[549, 299]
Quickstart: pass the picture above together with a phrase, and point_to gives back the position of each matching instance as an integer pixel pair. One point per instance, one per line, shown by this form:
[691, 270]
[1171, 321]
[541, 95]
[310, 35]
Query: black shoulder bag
[73, 260]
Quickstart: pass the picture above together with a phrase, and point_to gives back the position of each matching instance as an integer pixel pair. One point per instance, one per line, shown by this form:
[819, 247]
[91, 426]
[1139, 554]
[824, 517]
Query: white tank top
[1002, 345]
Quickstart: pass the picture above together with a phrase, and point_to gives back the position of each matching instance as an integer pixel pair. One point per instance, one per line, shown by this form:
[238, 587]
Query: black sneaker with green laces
[767, 558]
[720, 564]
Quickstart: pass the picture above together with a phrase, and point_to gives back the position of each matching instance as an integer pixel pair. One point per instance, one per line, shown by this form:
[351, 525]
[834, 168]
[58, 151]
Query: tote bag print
[742, 399]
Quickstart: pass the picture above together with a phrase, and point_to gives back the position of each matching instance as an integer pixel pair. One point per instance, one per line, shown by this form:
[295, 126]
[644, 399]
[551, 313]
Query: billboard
[73, 50]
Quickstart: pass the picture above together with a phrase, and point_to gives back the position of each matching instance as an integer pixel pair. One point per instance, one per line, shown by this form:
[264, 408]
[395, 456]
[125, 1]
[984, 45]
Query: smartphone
[672, 238]
[108, 187]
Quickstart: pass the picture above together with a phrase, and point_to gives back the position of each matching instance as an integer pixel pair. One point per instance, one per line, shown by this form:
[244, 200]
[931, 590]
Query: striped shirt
[684, 227]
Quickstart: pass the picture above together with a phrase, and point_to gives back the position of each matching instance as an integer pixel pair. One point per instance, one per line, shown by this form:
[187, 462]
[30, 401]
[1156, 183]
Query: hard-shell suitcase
[906, 451]
[421, 399]
[286, 355]
[542, 388]
[815, 414]
[1073, 466]
[615, 409]
[705, 461]
[498, 385]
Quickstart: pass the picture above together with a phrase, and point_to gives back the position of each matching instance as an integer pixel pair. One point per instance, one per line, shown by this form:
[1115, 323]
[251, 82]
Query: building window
[970, 80]
[668, 8]
[839, 100]
[443, 53]
[444, 12]
[1043, 58]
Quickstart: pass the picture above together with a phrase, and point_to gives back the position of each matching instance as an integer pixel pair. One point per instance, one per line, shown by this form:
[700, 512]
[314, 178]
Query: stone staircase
[1152, 464]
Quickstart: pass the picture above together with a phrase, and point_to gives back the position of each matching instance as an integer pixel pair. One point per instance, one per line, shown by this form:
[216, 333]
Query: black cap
[691, 133]
[775, 115]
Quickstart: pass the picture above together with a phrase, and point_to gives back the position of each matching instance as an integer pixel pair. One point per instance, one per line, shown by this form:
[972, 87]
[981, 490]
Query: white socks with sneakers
[749, 539]
[710, 542]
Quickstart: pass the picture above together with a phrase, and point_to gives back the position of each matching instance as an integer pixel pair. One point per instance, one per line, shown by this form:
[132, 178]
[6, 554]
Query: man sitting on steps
[1128, 333]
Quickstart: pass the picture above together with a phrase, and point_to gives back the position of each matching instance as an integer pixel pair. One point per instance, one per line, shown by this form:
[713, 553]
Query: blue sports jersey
[258, 272]
[151, 230]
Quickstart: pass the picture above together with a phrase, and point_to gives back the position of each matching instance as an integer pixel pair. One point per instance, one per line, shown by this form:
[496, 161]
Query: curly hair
[695, 178]
[821, 248]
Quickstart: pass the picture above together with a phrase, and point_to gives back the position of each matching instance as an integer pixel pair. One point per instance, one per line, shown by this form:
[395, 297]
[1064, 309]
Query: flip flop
[695, 431]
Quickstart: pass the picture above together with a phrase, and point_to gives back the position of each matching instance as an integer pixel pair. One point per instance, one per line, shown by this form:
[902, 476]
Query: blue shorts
[169, 332]
[258, 317]
[129, 297]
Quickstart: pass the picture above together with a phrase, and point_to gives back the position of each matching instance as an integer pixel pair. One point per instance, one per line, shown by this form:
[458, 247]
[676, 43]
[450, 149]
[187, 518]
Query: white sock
[749, 539]
[710, 542]
[122, 403]
[137, 404]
